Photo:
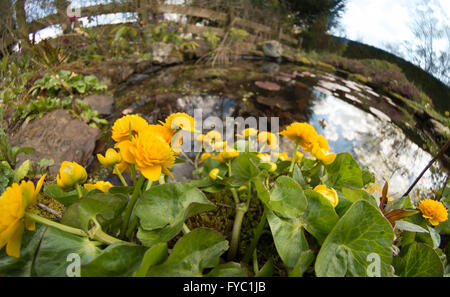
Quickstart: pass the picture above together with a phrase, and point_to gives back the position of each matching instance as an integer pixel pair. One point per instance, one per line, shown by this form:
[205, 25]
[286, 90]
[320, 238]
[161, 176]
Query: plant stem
[79, 192]
[133, 173]
[441, 152]
[49, 210]
[149, 185]
[120, 176]
[56, 225]
[187, 158]
[186, 229]
[294, 158]
[241, 209]
[255, 262]
[258, 232]
[131, 204]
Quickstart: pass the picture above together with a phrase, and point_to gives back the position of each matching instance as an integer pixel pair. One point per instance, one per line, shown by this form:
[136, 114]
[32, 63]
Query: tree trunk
[6, 25]
[21, 19]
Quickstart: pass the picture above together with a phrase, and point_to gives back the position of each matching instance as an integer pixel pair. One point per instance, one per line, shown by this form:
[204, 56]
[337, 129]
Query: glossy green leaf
[163, 209]
[244, 169]
[116, 260]
[304, 262]
[357, 194]
[23, 266]
[55, 249]
[154, 256]
[344, 172]
[65, 198]
[267, 270]
[196, 251]
[21, 172]
[298, 177]
[418, 260]
[287, 198]
[288, 236]
[230, 269]
[320, 216]
[361, 232]
[102, 207]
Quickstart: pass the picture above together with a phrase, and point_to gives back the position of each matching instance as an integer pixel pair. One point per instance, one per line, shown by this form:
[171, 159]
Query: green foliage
[69, 83]
[166, 32]
[8, 161]
[212, 39]
[360, 232]
[120, 41]
[163, 209]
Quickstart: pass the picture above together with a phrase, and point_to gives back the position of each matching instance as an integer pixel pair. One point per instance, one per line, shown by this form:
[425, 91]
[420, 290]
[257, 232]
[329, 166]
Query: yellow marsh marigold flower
[303, 134]
[330, 194]
[283, 157]
[204, 157]
[121, 128]
[265, 158]
[111, 158]
[13, 203]
[227, 155]
[162, 131]
[100, 185]
[213, 174]
[299, 156]
[434, 211]
[247, 133]
[322, 156]
[180, 121]
[212, 137]
[70, 174]
[152, 155]
[273, 167]
[268, 139]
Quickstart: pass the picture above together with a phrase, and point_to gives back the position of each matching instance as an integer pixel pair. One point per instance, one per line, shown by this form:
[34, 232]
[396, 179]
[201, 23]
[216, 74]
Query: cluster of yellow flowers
[147, 147]
[13, 204]
[306, 137]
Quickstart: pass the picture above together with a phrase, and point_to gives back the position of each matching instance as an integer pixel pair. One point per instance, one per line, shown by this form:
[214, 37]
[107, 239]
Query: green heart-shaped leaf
[418, 260]
[361, 232]
[196, 251]
[116, 260]
[56, 246]
[163, 209]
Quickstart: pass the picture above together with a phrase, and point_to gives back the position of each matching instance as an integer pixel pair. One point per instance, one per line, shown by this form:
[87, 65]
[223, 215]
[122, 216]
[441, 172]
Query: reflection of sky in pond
[374, 142]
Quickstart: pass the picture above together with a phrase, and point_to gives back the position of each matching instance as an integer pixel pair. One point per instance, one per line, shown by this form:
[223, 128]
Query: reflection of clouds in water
[374, 142]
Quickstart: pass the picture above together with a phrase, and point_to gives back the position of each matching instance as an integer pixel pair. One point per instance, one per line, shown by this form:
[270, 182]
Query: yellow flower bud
[265, 158]
[101, 185]
[330, 194]
[273, 167]
[243, 188]
[70, 174]
[299, 157]
[111, 158]
[213, 174]
[204, 157]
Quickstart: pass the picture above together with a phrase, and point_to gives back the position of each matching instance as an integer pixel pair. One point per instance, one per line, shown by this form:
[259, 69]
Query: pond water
[352, 116]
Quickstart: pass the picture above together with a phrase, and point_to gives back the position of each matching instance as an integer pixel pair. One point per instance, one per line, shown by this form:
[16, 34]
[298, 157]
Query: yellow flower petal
[152, 173]
[14, 243]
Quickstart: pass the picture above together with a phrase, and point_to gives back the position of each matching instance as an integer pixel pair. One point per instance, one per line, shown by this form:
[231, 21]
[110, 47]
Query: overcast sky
[377, 22]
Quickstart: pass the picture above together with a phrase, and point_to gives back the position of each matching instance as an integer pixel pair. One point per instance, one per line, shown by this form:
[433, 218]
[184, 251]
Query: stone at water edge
[59, 137]
[101, 103]
[162, 53]
[272, 49]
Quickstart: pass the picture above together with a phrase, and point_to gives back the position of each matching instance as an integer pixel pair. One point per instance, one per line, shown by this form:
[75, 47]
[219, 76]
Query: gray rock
[162, 53]
[272, 49]
[59, 137]
[137, 78]
[101, 103]
[182, 172]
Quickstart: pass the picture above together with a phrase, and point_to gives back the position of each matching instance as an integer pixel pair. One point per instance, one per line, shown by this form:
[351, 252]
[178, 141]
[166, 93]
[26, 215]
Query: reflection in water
[375, 142]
